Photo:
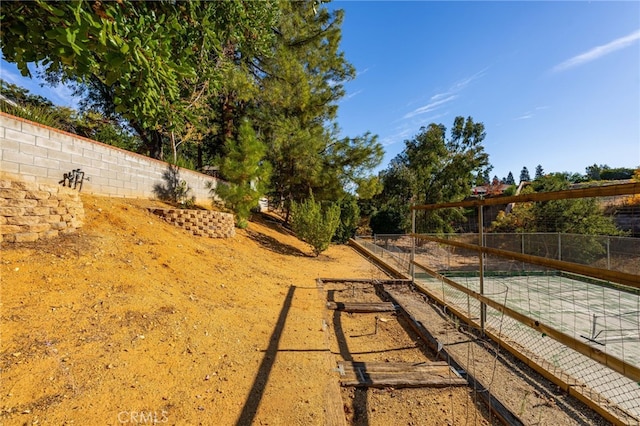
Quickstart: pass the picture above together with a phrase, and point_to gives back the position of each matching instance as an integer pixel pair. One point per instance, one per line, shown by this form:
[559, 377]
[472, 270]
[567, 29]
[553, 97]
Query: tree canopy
[433, 168]
[137, 57]
[184, 76]
[576, 216]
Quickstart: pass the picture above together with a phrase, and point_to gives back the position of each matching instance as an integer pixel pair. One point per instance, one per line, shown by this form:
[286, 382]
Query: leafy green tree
[247, 173]
[582, 216]
[524, 175]
[444, 166]
[511, 190]
[398, 194]
[618, 173]
[434, 168]
[22, 96]
[137, 57]
[604, 172]
[90, 124]
[389, 221]
[314, 224]
[368, 187]
[578, 216]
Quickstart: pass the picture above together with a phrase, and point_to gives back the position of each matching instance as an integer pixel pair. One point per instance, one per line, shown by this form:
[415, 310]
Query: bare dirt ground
[134, 321]
[386, 337]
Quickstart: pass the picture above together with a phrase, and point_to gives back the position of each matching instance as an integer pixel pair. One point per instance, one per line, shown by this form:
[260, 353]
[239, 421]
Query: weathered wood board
[362, 307]
[398, 374]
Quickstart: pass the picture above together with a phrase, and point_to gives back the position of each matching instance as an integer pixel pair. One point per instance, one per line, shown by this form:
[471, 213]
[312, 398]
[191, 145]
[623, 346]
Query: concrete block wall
[36, 153]
[30, 211]
[200, 222]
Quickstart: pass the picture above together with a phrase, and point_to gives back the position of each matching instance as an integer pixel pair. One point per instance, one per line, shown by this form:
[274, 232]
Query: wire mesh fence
[572, 296]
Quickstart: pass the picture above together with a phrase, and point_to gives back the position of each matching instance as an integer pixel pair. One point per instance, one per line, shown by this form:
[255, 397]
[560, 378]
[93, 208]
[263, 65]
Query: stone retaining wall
[30, 211]
[200, 222]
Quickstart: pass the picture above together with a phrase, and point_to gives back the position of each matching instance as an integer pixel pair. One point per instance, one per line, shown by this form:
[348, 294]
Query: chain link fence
[572, 300]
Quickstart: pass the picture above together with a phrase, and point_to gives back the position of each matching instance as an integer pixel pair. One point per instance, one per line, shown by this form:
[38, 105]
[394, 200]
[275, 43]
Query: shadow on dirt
[360, 401]
[257, 390]
[274, 245]
[273, 222]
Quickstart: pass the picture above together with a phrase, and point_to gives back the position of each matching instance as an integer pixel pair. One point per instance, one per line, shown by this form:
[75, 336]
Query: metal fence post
[483, 307]
[559, 246]
[413, 246]
[608, 252]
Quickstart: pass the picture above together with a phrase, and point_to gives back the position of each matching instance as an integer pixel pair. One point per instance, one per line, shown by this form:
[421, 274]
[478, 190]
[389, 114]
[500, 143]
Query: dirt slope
[134, 320]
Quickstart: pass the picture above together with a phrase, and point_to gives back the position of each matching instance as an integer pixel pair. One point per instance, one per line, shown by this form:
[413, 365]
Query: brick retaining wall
[200, 222]
[30, 211]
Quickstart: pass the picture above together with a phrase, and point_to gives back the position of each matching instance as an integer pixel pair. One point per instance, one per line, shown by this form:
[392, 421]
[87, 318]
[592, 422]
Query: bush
[313, 224]
[349, 219]
[388, 221]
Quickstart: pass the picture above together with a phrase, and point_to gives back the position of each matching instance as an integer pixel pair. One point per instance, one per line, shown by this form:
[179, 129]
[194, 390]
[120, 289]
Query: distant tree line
[592, 173]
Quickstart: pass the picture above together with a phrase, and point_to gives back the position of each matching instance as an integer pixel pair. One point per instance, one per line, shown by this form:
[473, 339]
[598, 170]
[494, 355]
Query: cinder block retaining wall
[32, 152]
[200, 222]
[30, 211]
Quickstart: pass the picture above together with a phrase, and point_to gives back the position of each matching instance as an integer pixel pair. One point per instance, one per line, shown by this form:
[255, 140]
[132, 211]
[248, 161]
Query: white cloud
[351, 95]
[460, 85]
[62, 95]
[410, 128]
[524, 116]
[359, 73]
[11, 77]
[401, 134]
[598, 52]
[439, 99]
[530, 114]
[430, 106]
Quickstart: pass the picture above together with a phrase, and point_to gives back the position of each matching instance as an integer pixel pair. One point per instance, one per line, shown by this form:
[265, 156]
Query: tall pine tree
[301, 83]
[247, 173]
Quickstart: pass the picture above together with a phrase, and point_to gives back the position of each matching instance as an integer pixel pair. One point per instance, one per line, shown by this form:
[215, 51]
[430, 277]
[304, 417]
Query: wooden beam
[614, 363]
[398, 375]
[619, 277]
[394, 366]
[495, 405]
[363, 280]
[596, 191]
[561, 379]
[361, 307]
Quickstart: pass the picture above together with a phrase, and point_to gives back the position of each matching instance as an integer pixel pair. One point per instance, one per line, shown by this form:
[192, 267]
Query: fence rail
[568, 303]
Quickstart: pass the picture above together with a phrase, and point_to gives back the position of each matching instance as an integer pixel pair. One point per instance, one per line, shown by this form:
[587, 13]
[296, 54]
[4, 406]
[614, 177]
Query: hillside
[133, 320]
[134, 315]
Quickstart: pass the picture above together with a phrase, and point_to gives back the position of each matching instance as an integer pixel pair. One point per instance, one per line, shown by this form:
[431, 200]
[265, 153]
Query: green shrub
[246, 172]
[314, 224]
[349, 219]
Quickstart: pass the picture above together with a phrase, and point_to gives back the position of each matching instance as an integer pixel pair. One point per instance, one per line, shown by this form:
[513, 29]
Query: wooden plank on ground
[384, 374]
[362, 306]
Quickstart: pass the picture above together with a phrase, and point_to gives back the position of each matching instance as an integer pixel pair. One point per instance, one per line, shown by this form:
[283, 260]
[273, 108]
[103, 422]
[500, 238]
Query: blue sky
[555, 83]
